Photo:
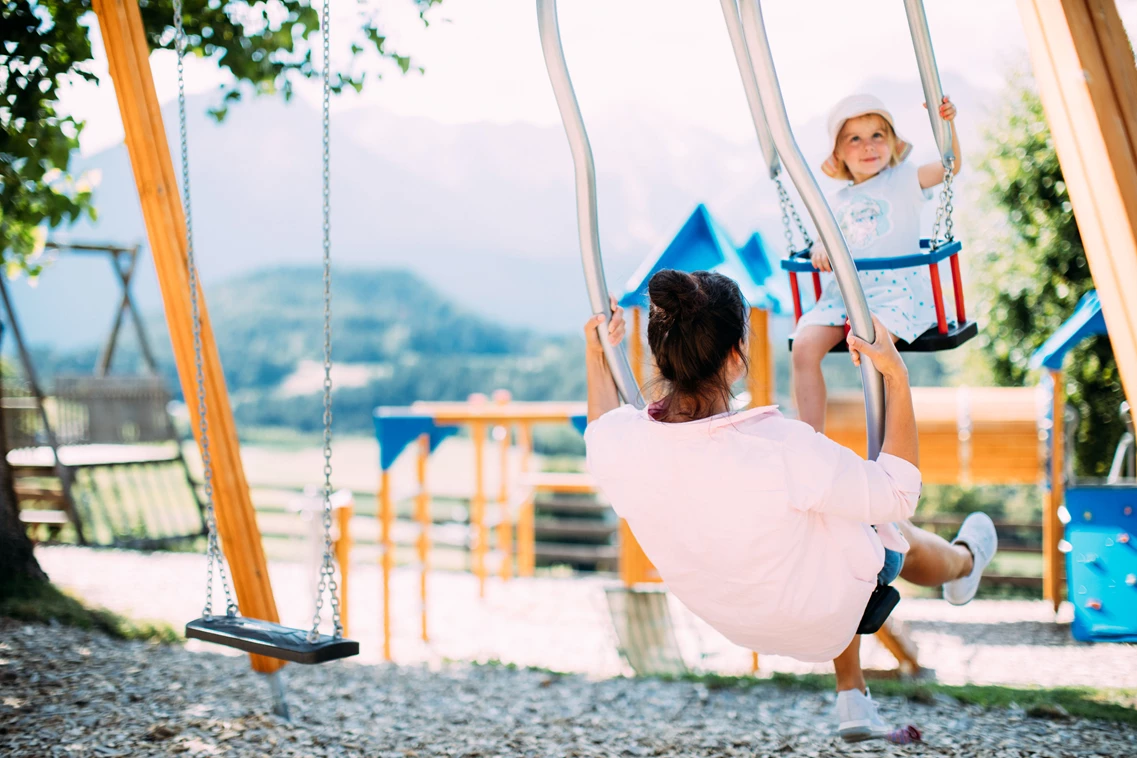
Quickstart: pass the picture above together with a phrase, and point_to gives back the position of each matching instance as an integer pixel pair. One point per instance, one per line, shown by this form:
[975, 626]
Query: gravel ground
[65, 692]
[563, 624]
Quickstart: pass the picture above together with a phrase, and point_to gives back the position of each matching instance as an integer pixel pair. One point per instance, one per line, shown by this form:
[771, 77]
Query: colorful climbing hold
[1123, 538]
[1093, 605]
[1131, 580]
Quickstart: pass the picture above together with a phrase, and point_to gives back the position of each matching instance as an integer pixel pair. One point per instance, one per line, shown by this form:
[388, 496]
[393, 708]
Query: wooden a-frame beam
[1087, 80]
[128, 55]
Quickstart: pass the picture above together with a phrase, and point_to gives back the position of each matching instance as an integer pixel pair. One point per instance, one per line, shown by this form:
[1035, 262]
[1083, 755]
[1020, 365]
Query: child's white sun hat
[851, 107]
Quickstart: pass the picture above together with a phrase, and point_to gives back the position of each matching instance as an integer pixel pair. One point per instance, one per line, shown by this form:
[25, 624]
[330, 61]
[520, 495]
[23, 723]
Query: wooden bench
[52, 521]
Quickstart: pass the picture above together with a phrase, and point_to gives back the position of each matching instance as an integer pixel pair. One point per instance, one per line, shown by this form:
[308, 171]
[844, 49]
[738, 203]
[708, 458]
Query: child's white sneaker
[977, 534]
[858, 718]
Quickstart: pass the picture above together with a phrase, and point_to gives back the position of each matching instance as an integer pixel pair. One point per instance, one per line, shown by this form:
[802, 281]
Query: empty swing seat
[945, 335]
[269, 639]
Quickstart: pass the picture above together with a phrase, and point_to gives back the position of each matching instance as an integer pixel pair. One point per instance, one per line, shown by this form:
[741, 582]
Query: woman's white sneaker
[977, 534]
[858, 719]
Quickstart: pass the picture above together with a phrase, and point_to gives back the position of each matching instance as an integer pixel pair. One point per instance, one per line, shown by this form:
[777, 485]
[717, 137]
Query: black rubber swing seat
[931, 341]
[269, 639]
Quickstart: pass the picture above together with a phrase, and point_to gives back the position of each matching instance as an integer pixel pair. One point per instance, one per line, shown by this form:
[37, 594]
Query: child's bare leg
[932, 560]
[848, 667]
[810, 346]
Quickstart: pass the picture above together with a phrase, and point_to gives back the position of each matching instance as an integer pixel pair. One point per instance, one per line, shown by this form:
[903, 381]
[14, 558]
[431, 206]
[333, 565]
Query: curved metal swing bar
[586, 215]
[929, 77]
[844, 268]
[750, 86]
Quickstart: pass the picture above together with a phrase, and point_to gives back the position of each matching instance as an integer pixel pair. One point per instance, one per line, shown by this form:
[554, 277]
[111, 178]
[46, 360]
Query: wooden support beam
[128, 57]
[386, 553]
[897, 641]
[636, 345]
[526, 534]
[343, 558]
[425, 522]
[1084, 67]
[1053, 562]
[479, 531]
[760, 378]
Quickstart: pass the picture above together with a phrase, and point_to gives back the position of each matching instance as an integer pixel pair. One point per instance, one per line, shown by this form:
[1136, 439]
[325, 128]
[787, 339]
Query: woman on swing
[761, 526]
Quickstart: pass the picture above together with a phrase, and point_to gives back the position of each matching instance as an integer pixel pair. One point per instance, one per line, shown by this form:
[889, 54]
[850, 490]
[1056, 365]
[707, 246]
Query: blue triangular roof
[756, 258]
[702, 245]
[1086, 322]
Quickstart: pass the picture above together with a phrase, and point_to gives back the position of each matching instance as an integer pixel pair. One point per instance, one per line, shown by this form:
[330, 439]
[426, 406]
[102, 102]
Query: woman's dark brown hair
[696, 322]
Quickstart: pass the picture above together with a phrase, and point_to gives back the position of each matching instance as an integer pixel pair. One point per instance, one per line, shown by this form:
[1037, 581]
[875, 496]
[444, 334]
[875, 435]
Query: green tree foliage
[46, 43]
[1031, 277]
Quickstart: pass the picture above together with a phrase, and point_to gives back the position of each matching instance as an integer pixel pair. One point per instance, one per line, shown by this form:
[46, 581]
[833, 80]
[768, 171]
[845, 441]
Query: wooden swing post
[1087, 81]
[128, 57]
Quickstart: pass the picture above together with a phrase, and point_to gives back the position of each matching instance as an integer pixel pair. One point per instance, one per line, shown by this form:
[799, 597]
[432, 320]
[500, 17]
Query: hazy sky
[671, 58]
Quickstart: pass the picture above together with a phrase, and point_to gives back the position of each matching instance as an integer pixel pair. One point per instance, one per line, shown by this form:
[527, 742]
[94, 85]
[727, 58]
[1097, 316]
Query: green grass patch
[1113, 705]
[43, 602]
[1110, 705]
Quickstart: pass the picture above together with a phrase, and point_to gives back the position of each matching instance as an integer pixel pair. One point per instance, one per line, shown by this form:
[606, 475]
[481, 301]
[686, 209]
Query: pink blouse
[758, 524]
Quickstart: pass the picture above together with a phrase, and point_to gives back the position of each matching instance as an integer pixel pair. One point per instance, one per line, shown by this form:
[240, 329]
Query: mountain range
[483, 212]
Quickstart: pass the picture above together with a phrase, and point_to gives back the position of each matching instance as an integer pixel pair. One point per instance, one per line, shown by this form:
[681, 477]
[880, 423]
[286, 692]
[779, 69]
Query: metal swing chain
[327, 567]
[213, 549]
[943, 213]
[789, 211]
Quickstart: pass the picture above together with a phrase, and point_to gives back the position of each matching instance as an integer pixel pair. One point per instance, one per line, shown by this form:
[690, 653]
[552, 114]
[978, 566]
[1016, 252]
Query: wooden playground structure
[1084, 67]
[97, 454]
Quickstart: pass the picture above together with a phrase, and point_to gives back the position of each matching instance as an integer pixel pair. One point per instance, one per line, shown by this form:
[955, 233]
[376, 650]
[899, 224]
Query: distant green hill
[395, 340]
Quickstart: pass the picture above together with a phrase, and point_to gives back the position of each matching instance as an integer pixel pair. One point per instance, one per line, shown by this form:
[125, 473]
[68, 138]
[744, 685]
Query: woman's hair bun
[676, 293]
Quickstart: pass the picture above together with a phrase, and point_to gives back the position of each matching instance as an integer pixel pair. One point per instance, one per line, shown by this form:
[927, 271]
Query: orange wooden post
[526, 527]
[903, 649]
[1053, 565]
[422, 516]
[636, 345]
[343, 558]
[128, 59]
[1087, 81]
[505, 518]
[478, 529]
[386, 555]
[634, 565]
[629, 571]
[760, 379]
[635, 568]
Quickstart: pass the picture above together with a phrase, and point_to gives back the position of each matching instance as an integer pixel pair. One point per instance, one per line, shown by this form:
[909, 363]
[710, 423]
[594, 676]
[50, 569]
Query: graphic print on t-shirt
[864, 220]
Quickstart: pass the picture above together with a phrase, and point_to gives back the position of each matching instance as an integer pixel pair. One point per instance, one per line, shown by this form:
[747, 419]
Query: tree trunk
[17, 557]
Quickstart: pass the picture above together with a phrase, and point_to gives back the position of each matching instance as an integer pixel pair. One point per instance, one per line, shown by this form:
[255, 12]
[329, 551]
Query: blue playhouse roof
[702, 245]
[1086, 322]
